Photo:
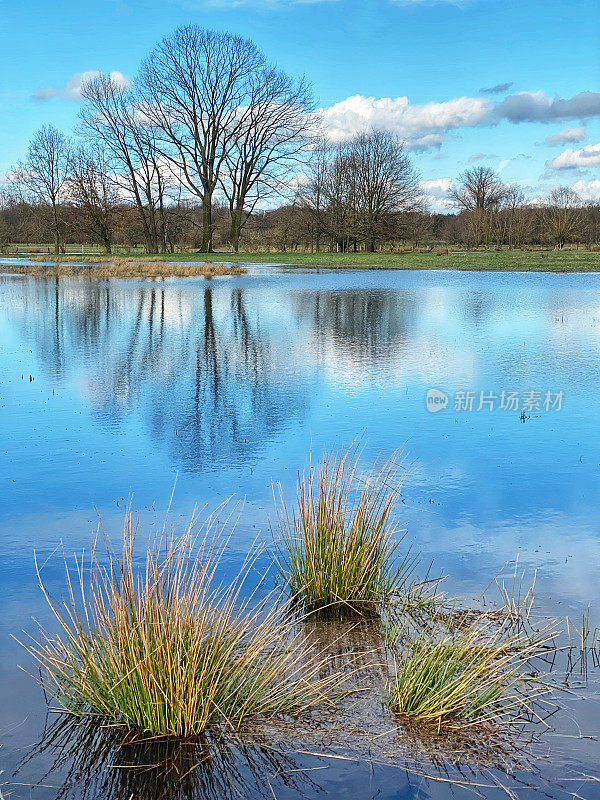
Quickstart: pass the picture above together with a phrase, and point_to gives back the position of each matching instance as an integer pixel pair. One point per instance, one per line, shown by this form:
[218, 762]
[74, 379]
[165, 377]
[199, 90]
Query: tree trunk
[206, 244]
[56, 230]
[235, 230]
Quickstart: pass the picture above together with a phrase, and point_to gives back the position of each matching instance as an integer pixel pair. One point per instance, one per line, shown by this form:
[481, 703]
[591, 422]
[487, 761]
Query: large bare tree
[44, 176]
[196, 87]
[386, 183]
[114, 119]
[270, 143]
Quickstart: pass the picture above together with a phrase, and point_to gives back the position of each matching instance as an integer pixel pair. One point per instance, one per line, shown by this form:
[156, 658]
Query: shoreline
[131, 265]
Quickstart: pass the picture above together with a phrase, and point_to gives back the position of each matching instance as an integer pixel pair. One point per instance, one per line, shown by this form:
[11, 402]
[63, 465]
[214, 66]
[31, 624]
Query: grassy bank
[510, 260]
[480, 260]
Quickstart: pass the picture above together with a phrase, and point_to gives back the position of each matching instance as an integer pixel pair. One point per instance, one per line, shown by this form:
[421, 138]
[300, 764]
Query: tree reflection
[186, 358]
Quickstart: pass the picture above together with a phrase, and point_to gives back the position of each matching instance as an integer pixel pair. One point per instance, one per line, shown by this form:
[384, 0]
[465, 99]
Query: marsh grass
[116, 267]
[339, 544]
[169, 649]
[473, 666]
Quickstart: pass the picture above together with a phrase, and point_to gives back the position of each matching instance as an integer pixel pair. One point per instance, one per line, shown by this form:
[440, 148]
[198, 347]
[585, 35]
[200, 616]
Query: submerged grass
[170, 650]
[339, 543]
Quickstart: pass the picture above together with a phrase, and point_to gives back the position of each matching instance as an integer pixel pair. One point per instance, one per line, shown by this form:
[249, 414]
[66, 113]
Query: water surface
[115, 386]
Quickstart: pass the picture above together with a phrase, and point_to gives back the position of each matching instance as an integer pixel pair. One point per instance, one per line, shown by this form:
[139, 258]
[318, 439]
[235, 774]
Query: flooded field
[487, 380]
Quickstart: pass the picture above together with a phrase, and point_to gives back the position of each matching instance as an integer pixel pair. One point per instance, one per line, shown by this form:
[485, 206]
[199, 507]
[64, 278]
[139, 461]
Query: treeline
[211, 134]
[296, 226]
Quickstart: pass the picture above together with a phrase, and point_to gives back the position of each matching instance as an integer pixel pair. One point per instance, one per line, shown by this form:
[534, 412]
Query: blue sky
[361, 57]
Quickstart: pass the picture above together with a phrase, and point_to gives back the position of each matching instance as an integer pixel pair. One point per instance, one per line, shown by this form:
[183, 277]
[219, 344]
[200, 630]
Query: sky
[509, 84]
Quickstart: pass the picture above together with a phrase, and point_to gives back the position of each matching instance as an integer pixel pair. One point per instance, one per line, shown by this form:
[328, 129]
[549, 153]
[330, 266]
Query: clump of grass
[339, 543]
[479, 674]
[169, 650]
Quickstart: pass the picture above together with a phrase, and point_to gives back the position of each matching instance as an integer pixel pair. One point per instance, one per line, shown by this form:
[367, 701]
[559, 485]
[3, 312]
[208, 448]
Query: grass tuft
[339, 544]
[168, 650]
[480, 673]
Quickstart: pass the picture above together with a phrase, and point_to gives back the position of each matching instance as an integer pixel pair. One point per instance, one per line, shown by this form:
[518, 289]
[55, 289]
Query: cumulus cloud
[577, 158]
[499, 88]
[72, 89]
[422, 126]
[568, 134]
[589, 191]
[539, 107]
[435, 193]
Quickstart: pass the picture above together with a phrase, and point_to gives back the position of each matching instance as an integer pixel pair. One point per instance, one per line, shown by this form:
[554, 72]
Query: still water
[223, 386]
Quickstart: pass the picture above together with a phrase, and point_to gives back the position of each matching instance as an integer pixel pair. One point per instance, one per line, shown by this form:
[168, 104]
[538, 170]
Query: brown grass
[126, 268]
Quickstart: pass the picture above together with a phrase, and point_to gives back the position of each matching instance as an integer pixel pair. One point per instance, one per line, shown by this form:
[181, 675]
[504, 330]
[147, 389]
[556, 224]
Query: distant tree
[44, 175]
[480, 189]
[113, 121]
[196, 86]
[94, 191]
[562, 216]
[385, 181]
[310, 194]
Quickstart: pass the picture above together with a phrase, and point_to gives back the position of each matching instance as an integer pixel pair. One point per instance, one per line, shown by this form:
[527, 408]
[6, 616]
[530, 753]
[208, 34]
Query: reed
[339, 543]
[168, 650]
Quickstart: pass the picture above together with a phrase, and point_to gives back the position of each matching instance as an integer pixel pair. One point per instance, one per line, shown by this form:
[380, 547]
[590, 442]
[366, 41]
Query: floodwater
[223, 386]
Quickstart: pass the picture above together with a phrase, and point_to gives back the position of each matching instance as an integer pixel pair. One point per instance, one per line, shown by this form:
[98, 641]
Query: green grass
[478, 676]
[481, 260]
[170, 650]
[338, 544]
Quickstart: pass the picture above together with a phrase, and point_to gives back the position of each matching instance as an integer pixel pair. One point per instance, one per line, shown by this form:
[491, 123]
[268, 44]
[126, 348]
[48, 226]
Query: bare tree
[93, 189]
[44, 176]
[113, 119]
[386, 183]
[562, 218]
[196, 87]
[269, 143]
[480, 189]
[311, 194]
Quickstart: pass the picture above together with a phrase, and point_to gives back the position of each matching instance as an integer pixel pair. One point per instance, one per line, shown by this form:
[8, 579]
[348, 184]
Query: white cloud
[435, 193]
[422, 125]
[573, 158]
[568, 134]
[72, 89]
[589, 191]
